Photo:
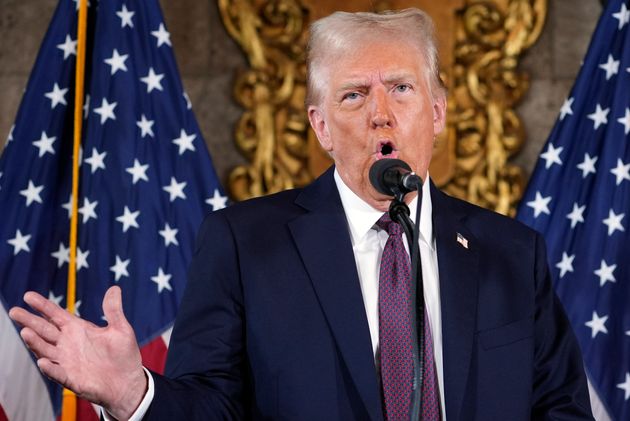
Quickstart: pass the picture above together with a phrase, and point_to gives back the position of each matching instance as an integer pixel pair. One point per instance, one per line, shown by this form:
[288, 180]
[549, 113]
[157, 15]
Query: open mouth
[386, 150]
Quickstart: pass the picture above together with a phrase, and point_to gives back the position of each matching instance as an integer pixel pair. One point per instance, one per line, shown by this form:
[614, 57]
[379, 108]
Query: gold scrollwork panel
[486, 87]
[481, 43]
[273, 129]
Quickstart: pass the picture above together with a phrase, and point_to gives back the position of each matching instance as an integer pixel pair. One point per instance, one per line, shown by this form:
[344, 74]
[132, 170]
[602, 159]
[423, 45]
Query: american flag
[146, 180]
[579, 198]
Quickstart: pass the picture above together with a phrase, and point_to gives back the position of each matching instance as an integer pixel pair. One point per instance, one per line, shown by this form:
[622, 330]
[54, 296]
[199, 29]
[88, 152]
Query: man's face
[377, 104]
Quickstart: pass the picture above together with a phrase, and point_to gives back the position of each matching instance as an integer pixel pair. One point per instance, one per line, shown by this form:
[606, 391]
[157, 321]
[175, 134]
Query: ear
[318, 123]
[439, 114]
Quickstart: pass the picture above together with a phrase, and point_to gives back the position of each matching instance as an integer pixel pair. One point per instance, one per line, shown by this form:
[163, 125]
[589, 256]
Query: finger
[15, 314]
[47, 308]
[39, 346]
[112, 307]
[52, 370]
[42, 327]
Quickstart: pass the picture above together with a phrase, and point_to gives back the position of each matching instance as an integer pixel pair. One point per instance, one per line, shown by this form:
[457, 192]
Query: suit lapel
[323, 241]
[458, 267]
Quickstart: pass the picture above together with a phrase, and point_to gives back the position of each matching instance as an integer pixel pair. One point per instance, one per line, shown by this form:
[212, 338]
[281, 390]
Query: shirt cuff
[144, 404]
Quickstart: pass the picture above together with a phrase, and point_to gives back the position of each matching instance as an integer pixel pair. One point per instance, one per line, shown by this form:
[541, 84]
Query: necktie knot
[386, 223]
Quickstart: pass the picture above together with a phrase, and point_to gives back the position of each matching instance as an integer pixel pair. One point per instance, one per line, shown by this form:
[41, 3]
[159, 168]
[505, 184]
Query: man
[287, 314]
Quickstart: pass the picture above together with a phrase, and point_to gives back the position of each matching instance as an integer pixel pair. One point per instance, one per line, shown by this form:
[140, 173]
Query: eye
[402, 88]
[351, 96]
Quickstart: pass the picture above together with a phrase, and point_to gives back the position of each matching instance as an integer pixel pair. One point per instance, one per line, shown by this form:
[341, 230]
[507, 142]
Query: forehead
[381, 58]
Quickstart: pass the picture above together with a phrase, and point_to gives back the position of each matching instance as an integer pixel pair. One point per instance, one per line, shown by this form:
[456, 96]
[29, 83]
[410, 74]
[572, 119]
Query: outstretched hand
[100, 364]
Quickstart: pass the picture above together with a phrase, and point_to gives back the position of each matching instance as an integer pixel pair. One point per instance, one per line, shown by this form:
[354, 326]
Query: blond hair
[341, 31]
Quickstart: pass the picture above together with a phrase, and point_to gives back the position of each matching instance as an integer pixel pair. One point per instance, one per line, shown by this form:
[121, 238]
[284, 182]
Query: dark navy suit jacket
[272, 324]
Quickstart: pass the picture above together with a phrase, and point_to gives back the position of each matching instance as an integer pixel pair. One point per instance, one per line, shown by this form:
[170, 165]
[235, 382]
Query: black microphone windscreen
[378, 171]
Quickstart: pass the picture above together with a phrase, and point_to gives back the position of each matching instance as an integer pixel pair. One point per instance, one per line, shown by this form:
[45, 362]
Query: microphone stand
[399, 212]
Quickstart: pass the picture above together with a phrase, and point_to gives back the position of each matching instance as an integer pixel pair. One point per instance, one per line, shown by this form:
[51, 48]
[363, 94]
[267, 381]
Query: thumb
[112, 307]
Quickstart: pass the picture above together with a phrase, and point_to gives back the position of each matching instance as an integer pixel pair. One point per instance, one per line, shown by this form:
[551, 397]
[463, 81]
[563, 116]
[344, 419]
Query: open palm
[100, 364]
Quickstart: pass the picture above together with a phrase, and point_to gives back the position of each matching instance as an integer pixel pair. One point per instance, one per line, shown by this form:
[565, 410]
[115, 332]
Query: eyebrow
[351, 85]
[391, 79]
[399, 77]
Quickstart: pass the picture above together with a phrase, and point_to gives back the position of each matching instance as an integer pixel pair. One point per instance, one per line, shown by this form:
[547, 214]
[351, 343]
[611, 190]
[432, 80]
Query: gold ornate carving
[483, 131]
[273, 130]
[491, 36]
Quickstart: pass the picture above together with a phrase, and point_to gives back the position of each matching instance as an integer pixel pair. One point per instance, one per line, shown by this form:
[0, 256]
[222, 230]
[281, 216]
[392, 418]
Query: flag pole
[69, 405]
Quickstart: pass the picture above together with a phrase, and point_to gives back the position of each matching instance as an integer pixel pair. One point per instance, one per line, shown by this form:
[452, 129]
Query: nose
[381, 112]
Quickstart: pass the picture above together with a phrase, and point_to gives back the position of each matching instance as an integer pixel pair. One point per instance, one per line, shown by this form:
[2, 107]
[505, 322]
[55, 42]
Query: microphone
[393, 177]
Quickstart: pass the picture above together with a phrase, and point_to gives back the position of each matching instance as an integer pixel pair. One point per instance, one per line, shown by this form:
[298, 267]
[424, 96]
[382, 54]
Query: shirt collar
[362, 217]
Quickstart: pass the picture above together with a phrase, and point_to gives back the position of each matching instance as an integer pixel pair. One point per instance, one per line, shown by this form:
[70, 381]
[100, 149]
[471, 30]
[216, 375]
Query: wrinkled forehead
[381, 55]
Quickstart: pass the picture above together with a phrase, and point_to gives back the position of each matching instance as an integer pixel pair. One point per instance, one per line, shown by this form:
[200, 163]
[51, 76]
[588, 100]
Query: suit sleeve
[206, 365]
[560, 388]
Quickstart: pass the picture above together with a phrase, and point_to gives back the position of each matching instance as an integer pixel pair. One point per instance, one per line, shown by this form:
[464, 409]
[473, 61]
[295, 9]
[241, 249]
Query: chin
[379, 201]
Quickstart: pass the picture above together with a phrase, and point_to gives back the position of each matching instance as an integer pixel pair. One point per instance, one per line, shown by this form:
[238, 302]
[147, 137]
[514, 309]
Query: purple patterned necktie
[395, 324]
[396, 334]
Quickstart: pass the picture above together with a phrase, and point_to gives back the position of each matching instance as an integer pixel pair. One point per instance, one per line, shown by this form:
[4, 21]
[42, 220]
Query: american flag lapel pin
[462, 240]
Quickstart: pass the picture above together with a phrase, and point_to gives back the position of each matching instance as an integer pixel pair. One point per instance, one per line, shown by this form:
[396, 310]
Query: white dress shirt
[368, 242]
